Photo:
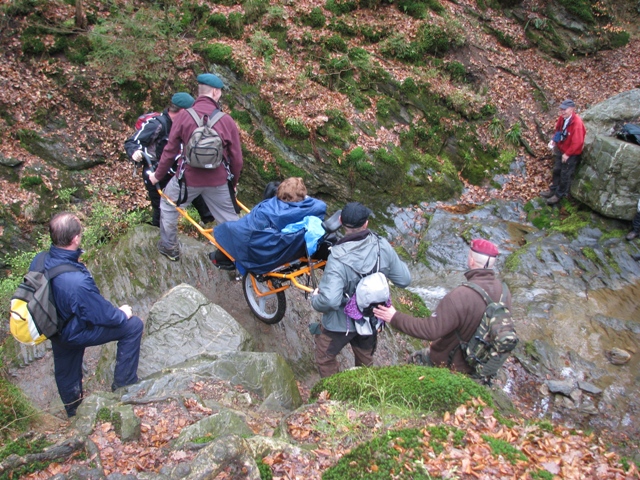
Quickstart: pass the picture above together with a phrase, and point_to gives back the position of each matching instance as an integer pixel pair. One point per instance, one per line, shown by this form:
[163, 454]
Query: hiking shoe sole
[171, 255]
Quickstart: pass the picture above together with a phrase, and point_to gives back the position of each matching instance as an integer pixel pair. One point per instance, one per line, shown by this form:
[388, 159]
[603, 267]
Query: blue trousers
[67, 359]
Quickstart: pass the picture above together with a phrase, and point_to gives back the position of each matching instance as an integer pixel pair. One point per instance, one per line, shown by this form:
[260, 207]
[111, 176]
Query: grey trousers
[217, 199]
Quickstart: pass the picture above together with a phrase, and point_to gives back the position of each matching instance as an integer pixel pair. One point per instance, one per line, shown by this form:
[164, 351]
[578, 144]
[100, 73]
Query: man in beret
[567, 145]
[357, 254]
[212, 184]
[153, 136]
[458, 314]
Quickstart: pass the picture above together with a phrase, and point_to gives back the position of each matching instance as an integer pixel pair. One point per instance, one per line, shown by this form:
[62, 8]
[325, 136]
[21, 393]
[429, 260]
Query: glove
[420, 357]
[137, 156]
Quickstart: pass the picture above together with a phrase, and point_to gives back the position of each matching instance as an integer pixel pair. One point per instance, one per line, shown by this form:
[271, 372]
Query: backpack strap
[485, 296]
[51, 273]
[195, 116]
[216, 115]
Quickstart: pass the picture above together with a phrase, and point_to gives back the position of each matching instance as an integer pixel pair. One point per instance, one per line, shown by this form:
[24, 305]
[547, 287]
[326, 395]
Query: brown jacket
[461, 310]
[183, 127]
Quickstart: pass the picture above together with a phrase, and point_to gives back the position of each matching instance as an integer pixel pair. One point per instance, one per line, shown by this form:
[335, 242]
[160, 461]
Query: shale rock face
[608, 179]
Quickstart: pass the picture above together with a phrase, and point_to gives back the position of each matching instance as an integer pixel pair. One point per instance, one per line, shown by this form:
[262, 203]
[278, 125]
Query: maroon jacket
[461, 310]
[573, 144]
[181, 130]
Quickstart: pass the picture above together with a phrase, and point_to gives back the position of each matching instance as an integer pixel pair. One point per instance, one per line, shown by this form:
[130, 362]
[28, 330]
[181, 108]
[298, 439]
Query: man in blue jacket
[90, 319]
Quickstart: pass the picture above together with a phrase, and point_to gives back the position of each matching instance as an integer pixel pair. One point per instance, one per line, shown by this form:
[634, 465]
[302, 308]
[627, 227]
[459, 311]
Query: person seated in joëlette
[273, 232]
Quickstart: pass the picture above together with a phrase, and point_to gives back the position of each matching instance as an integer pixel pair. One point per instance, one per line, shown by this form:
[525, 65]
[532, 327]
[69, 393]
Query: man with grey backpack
[357, 258]
[210, 167]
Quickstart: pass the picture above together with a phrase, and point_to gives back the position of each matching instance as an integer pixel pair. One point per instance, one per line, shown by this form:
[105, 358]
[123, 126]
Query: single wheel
[270, 308]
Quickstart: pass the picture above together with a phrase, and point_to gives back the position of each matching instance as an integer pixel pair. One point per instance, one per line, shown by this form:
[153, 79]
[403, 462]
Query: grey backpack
[204, 148]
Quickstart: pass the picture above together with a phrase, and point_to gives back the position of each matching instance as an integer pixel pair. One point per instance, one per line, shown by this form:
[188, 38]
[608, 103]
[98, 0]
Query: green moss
[530, 349]
[242, 117]
[296, 128]
[21, 447]
[30, 181]
[501, 448]
[335, 43]
[340, 7]
[513, 261]
[590, 253]
[16, 413]
[315, 19]
[579, 8]
[541, 475]
[408, 386]
[619, 39]
[410, 303]
[265, 470]
[289, 170]
[217, 53]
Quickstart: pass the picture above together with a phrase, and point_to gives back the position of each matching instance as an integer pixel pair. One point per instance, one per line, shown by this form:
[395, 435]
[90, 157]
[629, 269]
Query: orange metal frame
[290, 277]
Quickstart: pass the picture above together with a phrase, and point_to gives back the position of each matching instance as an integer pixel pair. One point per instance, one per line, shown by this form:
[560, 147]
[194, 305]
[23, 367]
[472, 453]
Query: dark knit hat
[567, 104]
[484, 247]
[354, 215]
[210, 79]
[182, 100]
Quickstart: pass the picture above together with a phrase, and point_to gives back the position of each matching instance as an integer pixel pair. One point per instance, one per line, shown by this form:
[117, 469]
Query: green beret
[210, 79]
[182, 100]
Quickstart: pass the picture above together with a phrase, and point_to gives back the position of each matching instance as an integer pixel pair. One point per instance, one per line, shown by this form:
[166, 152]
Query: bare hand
[137, 156]
[127, 310]
[315, 292]
[384, 313]
[152, 178]
[565, 157]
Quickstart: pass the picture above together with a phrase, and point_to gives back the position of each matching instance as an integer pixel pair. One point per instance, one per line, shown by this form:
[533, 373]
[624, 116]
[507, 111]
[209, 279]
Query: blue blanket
[256, 242]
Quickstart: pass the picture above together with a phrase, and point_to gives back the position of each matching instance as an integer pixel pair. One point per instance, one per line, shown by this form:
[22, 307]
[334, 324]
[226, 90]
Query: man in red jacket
[212, 184]
[567, 144]
[458, 314]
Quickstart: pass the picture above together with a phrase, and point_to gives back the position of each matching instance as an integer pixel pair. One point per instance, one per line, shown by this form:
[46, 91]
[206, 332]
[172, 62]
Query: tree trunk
[81, 18]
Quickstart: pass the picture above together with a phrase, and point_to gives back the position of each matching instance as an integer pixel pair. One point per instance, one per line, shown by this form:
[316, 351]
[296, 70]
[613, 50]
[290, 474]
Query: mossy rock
[423, 389]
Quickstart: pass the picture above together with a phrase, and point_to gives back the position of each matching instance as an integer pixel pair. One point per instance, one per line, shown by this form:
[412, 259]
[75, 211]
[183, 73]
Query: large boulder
[608, 179]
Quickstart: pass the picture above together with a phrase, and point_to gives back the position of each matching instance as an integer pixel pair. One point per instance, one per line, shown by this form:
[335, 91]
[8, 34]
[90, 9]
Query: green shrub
[21, 8]
[619, 39]
[413, 8]
[254, 9]
[236, 25]
[340, 7]
[418, 388]
[513, 134]
[78, 49]
[409, 86]
[296, 128]
[373, 34]
[30, 181]
[217, 53]
[32, 44]
[335, 43]
[579, 8]
[456, 70]
[399, 48]
[315, 19]
[16, 413]
[356, 155]
[262, 45]
[337, 118]
[344, 28]
[219, 22]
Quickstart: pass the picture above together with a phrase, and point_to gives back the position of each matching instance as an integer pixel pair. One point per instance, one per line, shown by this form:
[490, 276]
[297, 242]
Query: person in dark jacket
[90, 319]
[567, 145]
[257, 241]
[212, 184]
[355, 255]
[458, 313]
[152, 138]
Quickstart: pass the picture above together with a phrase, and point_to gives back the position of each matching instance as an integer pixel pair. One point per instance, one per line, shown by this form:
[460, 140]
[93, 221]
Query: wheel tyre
[269, 309]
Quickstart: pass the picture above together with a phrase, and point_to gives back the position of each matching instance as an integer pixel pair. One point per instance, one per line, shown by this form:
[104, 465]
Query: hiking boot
[553, 200]
[547, 194]
[221, 261]
[171, 254]
[632, 234]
